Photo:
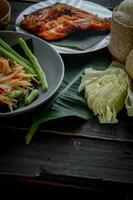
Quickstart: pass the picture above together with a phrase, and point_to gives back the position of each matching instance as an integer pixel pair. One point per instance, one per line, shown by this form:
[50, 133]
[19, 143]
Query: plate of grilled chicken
[68, 25]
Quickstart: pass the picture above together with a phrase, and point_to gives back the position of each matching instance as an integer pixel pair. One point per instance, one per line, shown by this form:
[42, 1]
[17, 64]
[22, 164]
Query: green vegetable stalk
[37, 67]
[9, 49]
[16, 94]
[32, 96]
[8, 54]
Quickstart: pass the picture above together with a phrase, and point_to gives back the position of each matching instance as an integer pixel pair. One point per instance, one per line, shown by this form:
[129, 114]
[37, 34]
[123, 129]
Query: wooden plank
[16, 8]
[110, 4]
[89, 129]
[66, 156]
[104, 158]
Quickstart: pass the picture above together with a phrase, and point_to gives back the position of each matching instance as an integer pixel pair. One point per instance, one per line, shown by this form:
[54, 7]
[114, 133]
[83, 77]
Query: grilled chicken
[60, 20]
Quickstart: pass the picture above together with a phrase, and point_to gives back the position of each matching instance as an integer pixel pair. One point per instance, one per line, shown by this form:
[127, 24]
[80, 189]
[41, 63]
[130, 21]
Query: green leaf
[82, 40]
[66, 103]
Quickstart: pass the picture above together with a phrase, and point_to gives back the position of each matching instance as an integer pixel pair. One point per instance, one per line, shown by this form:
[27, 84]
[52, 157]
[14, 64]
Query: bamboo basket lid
[121, 39]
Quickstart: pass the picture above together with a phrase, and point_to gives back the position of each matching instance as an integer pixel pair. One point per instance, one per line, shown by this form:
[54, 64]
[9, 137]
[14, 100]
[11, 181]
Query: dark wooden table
[102, 162]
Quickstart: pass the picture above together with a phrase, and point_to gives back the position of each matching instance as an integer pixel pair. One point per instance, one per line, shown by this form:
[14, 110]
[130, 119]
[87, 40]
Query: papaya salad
[20, 77]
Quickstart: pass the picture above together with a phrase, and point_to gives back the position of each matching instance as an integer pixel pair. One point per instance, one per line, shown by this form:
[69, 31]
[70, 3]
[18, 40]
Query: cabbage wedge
[105, 91]
[129, 103]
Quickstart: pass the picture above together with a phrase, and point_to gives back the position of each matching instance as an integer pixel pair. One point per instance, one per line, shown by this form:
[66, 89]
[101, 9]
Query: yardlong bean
[8, 54]
[11, 50]
[16, 94]
[32, 96]
[37, 67]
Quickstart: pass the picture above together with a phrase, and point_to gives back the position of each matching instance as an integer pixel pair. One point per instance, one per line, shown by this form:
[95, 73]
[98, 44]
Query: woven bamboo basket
[121, 39]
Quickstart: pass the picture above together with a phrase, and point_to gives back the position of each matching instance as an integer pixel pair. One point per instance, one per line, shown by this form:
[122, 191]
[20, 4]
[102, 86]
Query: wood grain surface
[68, 152]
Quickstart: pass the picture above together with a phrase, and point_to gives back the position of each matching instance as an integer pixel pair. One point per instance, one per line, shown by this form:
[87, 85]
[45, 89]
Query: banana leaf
[67, 101]
[82, 40]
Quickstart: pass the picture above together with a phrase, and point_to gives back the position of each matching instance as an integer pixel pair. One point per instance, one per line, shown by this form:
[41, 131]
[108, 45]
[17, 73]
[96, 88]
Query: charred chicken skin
[60, 20]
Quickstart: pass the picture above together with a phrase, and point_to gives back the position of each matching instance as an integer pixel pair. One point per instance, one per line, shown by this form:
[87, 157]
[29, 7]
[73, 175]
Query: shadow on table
[47, 191]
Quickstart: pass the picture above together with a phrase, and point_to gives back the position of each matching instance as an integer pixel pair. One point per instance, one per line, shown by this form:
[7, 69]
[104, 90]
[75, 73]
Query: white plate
[85, 5]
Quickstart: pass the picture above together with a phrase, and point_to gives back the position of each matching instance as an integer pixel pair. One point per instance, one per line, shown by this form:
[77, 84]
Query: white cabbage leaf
[106, 91]
[129, 103]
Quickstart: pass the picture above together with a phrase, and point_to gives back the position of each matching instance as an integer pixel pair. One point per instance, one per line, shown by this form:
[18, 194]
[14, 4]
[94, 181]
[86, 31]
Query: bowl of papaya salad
[31, 71]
